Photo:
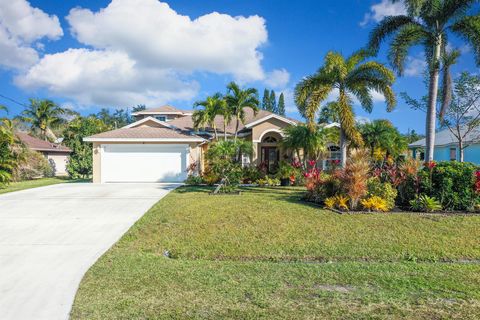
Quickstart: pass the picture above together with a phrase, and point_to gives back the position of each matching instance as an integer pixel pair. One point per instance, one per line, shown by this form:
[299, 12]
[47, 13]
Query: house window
[270, 140]
[453, 154]
[161, 118]
[333, 156]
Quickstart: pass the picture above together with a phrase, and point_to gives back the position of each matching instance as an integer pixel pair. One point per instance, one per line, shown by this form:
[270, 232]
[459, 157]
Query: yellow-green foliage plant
[337, 202]
[375, 203]
[383, 190]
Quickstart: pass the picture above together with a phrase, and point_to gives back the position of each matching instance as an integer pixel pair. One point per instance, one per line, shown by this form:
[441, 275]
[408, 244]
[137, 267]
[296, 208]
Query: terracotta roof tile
[39, 144]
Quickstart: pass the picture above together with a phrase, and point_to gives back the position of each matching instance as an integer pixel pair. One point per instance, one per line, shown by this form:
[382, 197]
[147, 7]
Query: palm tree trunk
[343, 148]
[236, 128]
[432, 102]
[214, 131]
[225, 130]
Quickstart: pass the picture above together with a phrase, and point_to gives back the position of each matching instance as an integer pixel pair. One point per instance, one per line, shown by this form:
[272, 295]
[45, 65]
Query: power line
[13, 100]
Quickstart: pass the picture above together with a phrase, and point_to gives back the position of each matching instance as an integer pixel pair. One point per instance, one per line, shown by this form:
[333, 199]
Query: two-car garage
[144, 162]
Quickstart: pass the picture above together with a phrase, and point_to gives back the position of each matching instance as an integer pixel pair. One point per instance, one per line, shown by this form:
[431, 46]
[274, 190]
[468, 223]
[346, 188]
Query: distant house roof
[162, 110]
[145, 130]
[41, 145]
[445, 138]
[186, 123]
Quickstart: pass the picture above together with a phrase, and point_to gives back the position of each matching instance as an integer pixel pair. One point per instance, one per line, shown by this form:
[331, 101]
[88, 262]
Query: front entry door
[271, 156]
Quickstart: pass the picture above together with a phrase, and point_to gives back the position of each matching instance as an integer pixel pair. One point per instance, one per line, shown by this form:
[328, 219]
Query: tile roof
[445, 137]
[144, 132]
[39, 144]
[186, 123]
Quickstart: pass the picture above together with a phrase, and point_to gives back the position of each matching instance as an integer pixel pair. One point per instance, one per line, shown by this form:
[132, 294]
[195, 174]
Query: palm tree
[352, 77]
[43, 115]
[428, 23]
[381, 134]
[238, 100]
[212, 107]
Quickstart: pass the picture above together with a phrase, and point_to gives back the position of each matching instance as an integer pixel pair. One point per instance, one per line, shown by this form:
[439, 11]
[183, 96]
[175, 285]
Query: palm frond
[386, 28]
[469, 29]
[408, 36]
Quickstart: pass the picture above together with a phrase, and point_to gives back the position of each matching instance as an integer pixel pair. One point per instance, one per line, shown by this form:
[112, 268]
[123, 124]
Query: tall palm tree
[428, 24]
[238, 100]
[42, 115]
[212, 107]
[352, 77]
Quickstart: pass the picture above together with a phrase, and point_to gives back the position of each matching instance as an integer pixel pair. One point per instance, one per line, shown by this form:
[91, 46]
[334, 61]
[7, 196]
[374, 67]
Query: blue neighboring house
[446, 147]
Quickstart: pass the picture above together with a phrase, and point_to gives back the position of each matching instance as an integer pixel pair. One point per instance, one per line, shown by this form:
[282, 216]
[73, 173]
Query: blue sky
[99, 53]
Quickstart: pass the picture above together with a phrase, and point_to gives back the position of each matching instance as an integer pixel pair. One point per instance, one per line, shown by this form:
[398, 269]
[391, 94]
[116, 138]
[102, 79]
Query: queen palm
[212, 107]
[428, 24]
[42, 115]
[353, 77]
[238, 100]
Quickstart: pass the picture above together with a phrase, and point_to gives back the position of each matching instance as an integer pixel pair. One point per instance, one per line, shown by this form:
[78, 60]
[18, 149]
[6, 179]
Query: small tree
[81, 158]
[462, 117]
[266, 100]
[281, 105]
[273, 102]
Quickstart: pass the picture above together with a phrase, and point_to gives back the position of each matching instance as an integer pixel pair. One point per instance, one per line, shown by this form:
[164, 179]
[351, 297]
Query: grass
[28, 184]
[266, 255]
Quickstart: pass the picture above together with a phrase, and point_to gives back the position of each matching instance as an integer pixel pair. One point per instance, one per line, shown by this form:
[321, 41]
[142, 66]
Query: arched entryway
[270, 150]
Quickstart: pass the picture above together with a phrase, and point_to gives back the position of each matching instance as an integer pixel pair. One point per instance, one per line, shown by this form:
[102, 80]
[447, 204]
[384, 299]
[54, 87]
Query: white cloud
[141, 51]
[106, 78]
[22, 26]
[277, 78]
[150, 32]
[383, 9]
[415, 66]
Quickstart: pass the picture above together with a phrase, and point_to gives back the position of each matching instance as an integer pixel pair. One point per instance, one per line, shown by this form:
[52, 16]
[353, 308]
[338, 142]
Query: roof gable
[148, 122]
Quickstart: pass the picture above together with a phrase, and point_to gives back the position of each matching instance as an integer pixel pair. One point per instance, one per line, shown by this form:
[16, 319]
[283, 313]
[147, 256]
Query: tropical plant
[285, 170]
[425, 203]
[312, 141]
[224, 161]
[375, 203]
[31, 164]
[212, 107]
[80, 161]
[352, 77]
[7, 155]
[238, 100]
[428, 24]
[339, 202]
[116, 119]
[355, 175]
[382, 135]
[43, 116]
[383, 190]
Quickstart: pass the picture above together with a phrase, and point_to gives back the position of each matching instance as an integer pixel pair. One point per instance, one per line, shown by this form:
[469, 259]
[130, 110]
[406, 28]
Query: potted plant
[285, 171]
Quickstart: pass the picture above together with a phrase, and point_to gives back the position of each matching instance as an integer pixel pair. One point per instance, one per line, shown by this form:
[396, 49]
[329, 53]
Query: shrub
[375, 203]
[32, 165]
[339, 202]
[251, 174]
[425, 203]
[267, 181]
[355, 175]
[194, 180]
[383, 190]
[285, 170]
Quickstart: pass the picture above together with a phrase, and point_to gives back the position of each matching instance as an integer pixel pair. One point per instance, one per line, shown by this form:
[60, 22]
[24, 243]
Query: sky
[91, 54]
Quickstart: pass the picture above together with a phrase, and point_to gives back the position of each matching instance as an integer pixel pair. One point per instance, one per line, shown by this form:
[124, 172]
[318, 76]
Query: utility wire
[13, 100]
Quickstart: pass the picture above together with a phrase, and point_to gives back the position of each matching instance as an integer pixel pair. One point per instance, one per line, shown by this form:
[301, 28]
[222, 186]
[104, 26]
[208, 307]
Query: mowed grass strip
[145, 286]
[259, 256]
[272, 224]
[29, 184]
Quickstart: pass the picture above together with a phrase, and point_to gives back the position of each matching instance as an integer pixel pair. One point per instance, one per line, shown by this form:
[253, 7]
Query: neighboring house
[446, 147]
[162, 145]
[55, 153]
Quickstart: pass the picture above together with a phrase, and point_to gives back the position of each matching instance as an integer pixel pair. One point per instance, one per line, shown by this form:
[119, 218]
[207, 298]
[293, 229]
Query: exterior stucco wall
[195, 156]
[59, 161]
[470, 153]
[269, 125]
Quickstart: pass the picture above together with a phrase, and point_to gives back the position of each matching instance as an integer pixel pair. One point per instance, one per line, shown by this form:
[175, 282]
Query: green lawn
[266, 255]
[28, 184]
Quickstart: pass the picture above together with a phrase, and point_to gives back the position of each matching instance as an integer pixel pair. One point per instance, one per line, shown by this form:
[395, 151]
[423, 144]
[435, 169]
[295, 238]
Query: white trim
[267, 131]
[136, 123]
[276, 116]
[193, 139]
[142, 113]
[332, 125]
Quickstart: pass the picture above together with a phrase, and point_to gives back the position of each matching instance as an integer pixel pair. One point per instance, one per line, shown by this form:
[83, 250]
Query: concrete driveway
[50, 236]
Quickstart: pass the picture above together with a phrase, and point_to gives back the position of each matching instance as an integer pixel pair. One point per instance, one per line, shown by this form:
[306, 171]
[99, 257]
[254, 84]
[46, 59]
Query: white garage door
[144, 162]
